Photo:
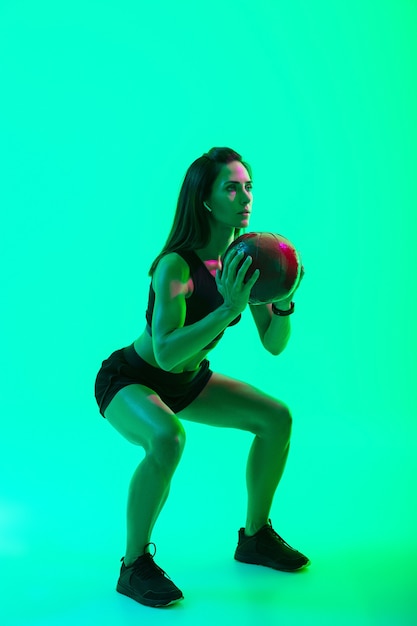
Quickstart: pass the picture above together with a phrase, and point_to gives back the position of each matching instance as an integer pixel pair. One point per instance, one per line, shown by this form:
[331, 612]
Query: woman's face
[230, 200]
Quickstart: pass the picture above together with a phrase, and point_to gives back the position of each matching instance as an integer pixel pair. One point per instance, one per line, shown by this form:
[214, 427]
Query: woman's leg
[229, 403]
[142, 418]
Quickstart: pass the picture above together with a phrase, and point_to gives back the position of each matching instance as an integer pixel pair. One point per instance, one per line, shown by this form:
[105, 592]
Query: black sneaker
[267, 548]
[147, 583]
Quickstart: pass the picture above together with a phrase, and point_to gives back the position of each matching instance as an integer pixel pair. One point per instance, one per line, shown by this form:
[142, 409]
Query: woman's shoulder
[172, 266]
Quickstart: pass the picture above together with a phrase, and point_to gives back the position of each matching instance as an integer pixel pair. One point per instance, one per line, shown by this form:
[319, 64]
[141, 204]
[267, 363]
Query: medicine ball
[278, 261]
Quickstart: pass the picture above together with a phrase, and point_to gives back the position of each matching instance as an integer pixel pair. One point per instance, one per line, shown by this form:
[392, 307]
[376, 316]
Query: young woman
[146, 390]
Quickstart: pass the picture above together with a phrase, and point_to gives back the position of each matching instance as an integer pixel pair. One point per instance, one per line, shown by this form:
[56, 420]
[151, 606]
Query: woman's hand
[230, 281]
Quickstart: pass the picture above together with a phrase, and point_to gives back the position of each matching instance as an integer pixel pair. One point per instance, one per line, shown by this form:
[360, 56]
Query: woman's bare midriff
[144, 348]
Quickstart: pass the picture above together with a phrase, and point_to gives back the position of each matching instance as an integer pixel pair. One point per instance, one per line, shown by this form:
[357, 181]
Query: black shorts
[125, 367]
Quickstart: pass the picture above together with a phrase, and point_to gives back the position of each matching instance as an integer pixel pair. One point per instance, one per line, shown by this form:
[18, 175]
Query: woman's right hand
[230, 281]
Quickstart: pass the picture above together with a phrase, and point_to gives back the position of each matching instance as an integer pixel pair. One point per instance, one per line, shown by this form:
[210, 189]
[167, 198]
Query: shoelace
[146, 567]
[275, 534]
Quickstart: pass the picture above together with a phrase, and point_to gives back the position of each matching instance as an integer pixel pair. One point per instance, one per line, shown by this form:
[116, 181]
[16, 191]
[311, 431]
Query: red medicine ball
[278, 261]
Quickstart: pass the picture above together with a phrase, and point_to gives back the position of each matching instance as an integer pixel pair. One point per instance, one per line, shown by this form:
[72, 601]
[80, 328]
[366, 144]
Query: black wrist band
[281, 313]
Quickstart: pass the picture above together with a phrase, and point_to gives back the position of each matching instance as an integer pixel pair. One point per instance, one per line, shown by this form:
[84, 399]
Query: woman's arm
[173, 342]
[274, 330]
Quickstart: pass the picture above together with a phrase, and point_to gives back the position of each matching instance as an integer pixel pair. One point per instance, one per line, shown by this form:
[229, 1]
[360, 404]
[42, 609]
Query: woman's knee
[276, 421]
[146, 423]
[167, 444]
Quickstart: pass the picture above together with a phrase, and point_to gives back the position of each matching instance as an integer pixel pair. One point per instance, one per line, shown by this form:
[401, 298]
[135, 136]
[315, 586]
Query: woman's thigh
[230, 403]
[140, 415]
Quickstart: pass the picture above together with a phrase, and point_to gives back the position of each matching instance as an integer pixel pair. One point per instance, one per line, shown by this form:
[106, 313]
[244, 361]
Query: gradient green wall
[103, 107]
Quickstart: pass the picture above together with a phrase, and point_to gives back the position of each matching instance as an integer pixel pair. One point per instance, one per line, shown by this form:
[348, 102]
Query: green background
[103, 107]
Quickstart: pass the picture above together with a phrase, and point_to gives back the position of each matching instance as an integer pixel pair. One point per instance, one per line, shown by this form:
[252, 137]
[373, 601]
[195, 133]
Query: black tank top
[204, 299]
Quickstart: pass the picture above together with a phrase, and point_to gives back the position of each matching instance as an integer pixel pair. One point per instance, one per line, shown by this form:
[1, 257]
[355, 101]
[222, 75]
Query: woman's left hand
[301, 276]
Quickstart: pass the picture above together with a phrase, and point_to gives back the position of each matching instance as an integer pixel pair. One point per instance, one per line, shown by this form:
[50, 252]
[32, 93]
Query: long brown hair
[190, 229]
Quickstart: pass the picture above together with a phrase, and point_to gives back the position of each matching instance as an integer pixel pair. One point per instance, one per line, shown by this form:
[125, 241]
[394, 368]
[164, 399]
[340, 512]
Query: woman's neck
[216, 247]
